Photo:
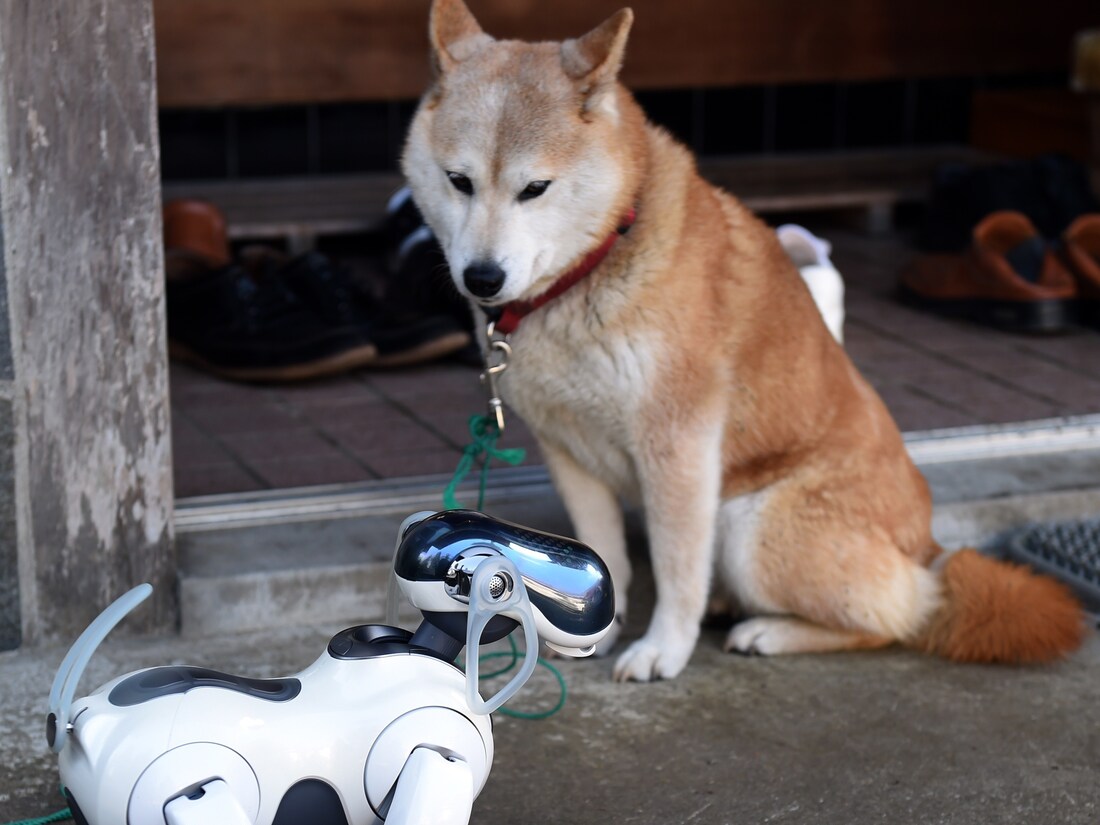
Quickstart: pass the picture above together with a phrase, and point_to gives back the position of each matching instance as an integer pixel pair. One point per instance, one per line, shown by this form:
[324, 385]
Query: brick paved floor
[932, 373]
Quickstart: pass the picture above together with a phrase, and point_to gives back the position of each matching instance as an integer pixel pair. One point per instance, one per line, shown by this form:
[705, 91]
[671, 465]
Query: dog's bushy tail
[996, 612]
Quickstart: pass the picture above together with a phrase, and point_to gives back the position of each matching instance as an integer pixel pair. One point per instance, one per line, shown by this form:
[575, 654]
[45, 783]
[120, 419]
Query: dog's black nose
[483, 278]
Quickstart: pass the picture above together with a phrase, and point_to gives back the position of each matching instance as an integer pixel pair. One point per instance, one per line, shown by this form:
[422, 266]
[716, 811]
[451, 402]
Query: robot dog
[381, 728]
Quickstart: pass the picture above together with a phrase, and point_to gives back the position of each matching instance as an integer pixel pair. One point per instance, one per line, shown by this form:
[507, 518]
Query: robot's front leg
[213, 802]
[433, 789]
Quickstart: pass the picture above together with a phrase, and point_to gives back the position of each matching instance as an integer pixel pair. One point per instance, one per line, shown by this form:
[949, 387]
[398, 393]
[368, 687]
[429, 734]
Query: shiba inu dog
[665, 351]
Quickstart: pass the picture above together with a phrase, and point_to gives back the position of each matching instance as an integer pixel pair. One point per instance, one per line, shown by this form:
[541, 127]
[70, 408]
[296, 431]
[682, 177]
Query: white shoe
[811, 255]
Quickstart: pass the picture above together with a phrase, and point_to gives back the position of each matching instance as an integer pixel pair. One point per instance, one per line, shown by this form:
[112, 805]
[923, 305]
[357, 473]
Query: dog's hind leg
[820, 576]
[597, 520]
[679, 472]
[775, 635]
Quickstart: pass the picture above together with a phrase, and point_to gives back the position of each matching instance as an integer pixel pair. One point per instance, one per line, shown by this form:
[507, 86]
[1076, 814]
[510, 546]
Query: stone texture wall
[85, 465]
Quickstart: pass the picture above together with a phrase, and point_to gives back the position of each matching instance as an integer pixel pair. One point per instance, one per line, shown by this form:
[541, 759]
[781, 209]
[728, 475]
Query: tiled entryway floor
[932, 373]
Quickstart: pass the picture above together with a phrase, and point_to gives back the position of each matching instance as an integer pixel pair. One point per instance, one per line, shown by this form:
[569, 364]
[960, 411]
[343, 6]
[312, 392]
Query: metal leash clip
[496, 362]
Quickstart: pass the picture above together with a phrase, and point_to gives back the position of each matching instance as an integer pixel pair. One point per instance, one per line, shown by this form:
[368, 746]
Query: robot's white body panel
[326, 731]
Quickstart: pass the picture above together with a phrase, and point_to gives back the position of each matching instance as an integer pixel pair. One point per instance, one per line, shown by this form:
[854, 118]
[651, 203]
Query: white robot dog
[382, 727]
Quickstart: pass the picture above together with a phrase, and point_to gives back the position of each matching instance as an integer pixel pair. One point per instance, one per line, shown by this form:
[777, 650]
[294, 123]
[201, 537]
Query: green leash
[513, 656]
[484, 434]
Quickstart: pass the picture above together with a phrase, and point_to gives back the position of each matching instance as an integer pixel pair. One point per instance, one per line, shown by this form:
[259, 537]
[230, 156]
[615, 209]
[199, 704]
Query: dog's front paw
[645, 661]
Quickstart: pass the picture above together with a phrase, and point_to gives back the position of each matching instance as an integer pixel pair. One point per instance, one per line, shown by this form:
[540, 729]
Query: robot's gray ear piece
[496, 589]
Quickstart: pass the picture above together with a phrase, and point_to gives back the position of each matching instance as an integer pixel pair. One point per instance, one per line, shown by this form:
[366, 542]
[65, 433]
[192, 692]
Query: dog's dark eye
[534, 189]
[461, 183]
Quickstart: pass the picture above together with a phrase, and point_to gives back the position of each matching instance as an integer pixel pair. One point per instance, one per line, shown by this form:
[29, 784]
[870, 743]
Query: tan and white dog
[684, 366]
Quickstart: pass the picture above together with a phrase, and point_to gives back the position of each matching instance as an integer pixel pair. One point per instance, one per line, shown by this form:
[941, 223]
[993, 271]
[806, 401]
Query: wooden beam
[259, 52]
[301, 209]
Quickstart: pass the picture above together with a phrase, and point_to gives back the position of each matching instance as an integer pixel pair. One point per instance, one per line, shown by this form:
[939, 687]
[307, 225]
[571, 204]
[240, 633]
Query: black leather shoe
[224, 322]
[419, 280]
[401, 336]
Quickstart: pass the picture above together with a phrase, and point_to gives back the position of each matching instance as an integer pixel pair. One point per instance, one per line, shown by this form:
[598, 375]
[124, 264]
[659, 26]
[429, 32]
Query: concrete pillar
[85, 463]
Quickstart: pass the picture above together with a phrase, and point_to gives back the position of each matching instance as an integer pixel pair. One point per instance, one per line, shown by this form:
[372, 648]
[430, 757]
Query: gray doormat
[1068, 551]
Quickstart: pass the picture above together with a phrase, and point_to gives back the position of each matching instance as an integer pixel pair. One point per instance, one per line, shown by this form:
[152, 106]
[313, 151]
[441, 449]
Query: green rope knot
[60, 816]
[484, 435]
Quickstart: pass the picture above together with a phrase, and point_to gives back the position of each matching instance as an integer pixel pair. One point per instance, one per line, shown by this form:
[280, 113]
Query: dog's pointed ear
[594, 60]
[454, 33]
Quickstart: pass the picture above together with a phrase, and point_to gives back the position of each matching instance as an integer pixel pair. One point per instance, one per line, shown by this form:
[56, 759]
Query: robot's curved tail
[72, 666]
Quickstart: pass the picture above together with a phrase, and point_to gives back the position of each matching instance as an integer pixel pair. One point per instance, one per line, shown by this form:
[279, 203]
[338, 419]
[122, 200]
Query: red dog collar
[512, 313]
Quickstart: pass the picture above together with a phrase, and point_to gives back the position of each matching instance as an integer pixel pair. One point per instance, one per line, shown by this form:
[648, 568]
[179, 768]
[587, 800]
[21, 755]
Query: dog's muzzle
[483, 279]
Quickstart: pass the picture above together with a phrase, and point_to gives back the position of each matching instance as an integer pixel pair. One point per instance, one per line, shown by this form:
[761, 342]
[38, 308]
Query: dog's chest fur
[582, 391]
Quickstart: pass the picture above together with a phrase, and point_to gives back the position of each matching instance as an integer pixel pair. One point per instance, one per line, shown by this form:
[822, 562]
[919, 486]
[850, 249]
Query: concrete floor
[889, 736]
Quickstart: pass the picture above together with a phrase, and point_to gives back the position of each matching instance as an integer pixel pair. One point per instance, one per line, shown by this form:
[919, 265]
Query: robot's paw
[547, 652]
[605, 645]
[646, 660]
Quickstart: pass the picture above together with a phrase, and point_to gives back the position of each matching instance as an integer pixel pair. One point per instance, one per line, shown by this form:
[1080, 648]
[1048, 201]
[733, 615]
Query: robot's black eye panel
[165, 681]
